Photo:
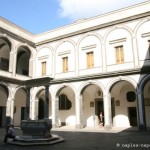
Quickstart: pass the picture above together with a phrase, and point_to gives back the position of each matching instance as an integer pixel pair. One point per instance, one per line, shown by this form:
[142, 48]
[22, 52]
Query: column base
[108, 127]
[79, 126]
[55, 126]
[142, 127]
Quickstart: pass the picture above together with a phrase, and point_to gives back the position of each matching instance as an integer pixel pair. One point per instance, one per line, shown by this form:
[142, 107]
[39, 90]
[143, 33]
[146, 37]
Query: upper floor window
[90, 59]
[43, 68]
[65, 64]
[119, 54]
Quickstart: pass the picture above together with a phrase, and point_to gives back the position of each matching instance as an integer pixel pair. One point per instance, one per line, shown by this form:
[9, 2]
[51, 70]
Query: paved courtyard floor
[90, 139]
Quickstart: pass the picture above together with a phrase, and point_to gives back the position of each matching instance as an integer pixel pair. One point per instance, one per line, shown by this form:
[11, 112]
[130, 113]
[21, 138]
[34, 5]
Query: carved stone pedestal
[36, 132]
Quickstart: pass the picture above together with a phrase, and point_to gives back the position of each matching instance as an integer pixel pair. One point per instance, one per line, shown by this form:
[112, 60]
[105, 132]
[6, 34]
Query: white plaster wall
[88, 44]
[89, 117]
[121, 118]
[142, 42]
[44, 55]
[118, 34]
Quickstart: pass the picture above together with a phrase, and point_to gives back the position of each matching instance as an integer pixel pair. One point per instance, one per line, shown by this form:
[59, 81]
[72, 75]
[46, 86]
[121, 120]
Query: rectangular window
[43, 68]
[119, 54]
[90, 59]
[65, 64]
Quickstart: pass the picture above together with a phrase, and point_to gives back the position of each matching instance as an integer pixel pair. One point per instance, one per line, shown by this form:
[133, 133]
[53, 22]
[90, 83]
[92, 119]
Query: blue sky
[39, 16]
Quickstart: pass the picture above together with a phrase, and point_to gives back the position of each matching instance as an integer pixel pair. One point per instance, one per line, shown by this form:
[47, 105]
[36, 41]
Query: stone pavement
[90, 139]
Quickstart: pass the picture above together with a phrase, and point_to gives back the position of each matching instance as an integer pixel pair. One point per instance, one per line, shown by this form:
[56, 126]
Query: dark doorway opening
[2, 116]
[23, 113]
[99, 107]
[132, 116]
[41, 109]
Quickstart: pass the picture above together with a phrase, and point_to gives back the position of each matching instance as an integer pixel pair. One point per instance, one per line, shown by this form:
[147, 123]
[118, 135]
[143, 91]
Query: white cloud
[77, 9]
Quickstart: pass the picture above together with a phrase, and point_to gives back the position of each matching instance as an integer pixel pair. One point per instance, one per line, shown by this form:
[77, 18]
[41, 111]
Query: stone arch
[139, 25]
[39, 100]
[117, 27]
[63, 41]
[19, 104]
[143, 81]
[144, 91]
[85, 84]
[44, 59]
[60, 87]
[47, 46]
[89, 47]
[64, 50]
[65, 108]
[90, 94]
[10, 92]
[26, 47]
[24, 57]
[89, 34]
[5, 36]
[6, 50]
[120, 78]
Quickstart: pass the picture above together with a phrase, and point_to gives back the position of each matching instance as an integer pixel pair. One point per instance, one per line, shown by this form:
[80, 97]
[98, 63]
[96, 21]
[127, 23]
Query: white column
[79, 112]
[107, 111]
[32, 107]
[11, 61]
[55, 113]
[104, 66]
[141, 111]
[76, 62]
[14, 64]
[35, 109]
[8, 111]
[12, 111]
[31, 67]
[135, 52]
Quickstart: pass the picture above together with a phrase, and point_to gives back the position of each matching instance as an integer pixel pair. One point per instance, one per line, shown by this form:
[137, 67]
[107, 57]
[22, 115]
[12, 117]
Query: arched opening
[66, 107]
[23, 57]
[40, 105]
[93, 106]
[125, 104]
[3, 100]
[5, 48]
[147, 103]
[19, 106]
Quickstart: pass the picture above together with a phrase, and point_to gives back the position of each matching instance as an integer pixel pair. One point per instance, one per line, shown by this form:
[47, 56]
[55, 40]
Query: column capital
[139, 93]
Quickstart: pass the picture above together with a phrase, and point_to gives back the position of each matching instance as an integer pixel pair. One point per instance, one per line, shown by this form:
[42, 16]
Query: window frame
[90, 59]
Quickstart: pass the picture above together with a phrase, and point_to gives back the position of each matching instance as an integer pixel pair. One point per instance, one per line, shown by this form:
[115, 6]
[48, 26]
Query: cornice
[102, 75]
[94, 27]
[17, 37]
[50, 81]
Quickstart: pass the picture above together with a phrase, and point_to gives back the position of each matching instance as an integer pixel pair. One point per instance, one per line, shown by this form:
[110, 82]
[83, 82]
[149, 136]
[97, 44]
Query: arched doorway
[93, 105]
[23, 57]
[19, 106]
[125, 104]
[66, 107]
[5, 48]
[40, 104]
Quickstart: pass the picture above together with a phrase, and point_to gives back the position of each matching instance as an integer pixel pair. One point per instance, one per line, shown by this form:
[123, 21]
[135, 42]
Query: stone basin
[36, 128]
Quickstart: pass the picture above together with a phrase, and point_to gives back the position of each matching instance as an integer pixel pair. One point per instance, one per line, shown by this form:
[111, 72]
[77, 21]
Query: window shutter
[43, 68]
